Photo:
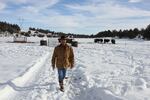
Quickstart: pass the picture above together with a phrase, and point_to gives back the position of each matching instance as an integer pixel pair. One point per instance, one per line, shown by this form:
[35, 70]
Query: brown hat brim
[62, 39]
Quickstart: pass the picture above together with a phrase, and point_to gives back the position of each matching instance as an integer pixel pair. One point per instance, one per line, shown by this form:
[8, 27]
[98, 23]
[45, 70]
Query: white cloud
[32, 4]
[19, 1]
[59, 21]
[2, 6]
[85, 18]
[109, 10]
[40, 5]
[135, 1]
[119, 11]
[29, 9]
[109, 15]
[104, 16]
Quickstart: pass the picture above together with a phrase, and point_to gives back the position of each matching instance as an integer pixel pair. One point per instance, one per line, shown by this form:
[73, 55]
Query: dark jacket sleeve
[71, 57]
[54, 56]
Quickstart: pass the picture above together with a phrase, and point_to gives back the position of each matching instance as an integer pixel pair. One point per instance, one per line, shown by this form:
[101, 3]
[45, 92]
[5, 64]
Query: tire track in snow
[45, 86]
[13, 87]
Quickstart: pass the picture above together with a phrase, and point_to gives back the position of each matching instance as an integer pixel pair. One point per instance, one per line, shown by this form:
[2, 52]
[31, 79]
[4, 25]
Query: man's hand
[53, 67]
[71, 66]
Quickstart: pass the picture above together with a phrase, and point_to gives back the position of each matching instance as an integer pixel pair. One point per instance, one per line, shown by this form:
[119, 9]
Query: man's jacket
[63, 57]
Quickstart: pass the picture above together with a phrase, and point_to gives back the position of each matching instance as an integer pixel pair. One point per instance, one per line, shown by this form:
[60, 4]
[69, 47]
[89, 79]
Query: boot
[61, 86]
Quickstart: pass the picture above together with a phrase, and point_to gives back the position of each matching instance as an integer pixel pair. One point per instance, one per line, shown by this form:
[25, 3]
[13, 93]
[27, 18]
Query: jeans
[61, 74]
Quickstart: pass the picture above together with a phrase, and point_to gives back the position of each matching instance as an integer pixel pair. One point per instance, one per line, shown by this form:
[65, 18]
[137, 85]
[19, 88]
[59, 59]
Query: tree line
[11, 28]
[128, 33]
[131, 33]
[56, 34]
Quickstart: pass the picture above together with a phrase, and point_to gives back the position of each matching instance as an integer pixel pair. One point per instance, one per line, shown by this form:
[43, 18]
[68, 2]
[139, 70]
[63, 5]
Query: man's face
[63, 41]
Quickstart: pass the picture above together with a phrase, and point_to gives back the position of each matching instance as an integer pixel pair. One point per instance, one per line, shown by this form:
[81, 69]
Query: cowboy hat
[63, 38]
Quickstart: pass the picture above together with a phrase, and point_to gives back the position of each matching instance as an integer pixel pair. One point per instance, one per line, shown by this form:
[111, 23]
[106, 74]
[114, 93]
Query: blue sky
[76, 16]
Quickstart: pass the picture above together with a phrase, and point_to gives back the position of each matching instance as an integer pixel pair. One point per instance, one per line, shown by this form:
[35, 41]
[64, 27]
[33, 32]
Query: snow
[17, 58]
[102, 71]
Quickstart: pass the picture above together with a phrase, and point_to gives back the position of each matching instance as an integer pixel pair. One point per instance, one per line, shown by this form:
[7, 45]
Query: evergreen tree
[147, 32]
[12, 28]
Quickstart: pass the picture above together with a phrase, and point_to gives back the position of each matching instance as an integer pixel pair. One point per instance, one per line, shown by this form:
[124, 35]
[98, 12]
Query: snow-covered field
[101, 72]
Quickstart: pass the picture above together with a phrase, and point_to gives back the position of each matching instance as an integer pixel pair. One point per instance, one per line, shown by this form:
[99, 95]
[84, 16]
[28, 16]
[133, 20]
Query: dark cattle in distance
[113, 41]
[106, 40]
[101, 40]
[98, 40]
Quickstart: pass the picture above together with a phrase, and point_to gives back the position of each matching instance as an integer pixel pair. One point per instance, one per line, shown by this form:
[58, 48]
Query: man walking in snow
[63, 58]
